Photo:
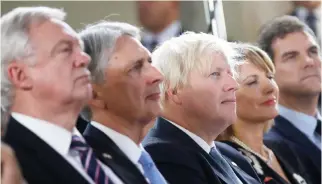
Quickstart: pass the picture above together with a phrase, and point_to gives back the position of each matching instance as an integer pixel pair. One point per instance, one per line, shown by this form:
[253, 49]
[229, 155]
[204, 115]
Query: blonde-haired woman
[256, 108]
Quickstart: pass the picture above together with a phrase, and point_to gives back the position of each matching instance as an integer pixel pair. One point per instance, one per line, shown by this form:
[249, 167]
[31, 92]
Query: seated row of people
[199, 87]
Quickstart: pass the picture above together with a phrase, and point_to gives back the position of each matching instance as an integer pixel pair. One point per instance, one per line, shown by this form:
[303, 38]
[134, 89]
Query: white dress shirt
[127, 145]
[305, 123]
[60, 139]
[171, 31]
[202, 143]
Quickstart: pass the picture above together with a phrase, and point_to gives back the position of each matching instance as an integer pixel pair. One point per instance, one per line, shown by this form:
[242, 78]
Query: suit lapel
[51, 161]
[182, 139]
[111, 155]
[216, 168]
[293, 134]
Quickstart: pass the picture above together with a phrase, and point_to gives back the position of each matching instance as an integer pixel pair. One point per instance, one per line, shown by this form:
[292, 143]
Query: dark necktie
[318, 127]
[89, 161]
[311, 20]
[153, 44]
[224, 168]
[150, 170]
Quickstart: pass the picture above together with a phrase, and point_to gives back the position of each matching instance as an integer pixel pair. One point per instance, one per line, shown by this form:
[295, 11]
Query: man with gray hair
[125, 100]
[198, 103]
[45, 84]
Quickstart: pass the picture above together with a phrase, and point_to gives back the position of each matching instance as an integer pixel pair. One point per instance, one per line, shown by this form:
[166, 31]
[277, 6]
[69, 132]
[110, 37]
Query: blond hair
[260, 59]
[177, 57]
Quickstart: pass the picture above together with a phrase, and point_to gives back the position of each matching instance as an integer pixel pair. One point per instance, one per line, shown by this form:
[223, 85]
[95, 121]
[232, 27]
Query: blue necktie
[224, 168]
[89, 162]
[150, 170]
[153, 45]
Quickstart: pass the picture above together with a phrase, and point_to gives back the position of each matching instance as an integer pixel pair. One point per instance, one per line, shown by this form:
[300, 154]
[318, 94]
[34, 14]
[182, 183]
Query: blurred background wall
[243, 18]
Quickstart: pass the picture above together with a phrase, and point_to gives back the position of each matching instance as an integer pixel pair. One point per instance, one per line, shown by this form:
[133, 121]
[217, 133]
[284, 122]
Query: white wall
[244, 18]
[84, 12]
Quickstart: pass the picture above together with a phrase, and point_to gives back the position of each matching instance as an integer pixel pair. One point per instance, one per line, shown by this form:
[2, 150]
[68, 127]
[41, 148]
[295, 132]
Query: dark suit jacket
[181, 160]
[111, 155]
[307, 156]
[230, 154]
[81, 124]
[39, 162]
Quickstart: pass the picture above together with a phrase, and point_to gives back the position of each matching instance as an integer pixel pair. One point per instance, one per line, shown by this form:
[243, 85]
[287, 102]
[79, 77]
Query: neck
[196, 125]
[61, 115]
[304, 104]
[131, 129]
[254, 140]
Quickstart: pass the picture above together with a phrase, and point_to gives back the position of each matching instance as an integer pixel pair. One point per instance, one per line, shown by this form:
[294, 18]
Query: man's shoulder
[173, 153]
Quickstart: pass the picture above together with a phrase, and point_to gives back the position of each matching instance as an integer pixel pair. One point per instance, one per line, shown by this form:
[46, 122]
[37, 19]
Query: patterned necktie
[150, 170]
[89, 161]
[318, 127]
[224, 168]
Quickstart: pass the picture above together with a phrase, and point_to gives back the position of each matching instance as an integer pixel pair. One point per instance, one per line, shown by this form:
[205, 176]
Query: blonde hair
[177, 57]
[260, 59]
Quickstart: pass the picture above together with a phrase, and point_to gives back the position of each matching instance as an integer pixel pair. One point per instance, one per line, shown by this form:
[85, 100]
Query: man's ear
[19, 75]
[97, 101]
[174, 96]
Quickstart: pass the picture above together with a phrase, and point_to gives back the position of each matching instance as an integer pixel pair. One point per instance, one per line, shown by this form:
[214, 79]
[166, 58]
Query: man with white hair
[198, 103]
[45, 84]
[125, 100]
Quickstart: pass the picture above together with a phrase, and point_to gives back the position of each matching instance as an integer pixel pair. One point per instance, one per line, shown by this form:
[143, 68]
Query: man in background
[309, 12]
[160, 20]
[296, 54]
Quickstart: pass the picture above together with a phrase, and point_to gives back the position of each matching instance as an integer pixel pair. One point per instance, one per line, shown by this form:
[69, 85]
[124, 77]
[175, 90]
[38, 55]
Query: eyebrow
[255, 76]
[61, 42]
[284, 55]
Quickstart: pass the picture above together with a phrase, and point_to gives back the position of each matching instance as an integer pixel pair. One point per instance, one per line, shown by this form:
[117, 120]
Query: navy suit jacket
[283, 135]
[182, 161]
[111, 155]
[38, 161]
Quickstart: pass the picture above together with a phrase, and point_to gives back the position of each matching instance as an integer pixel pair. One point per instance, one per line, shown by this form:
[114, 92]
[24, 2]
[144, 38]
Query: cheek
[133, 92]
[246, 104]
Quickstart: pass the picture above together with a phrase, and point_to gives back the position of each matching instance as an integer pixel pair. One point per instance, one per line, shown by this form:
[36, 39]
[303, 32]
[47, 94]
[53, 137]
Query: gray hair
[15, 41]
[177, 57]
[99, 42]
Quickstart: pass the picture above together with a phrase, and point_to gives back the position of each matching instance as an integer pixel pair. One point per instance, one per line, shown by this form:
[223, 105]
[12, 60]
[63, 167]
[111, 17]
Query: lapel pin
[234, 164]
[105, 155]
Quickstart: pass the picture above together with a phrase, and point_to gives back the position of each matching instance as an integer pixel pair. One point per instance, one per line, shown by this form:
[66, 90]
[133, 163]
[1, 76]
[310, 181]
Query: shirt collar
[301, 121]
[202, 143]
[55, 136]
[127, 145]
[169, 32]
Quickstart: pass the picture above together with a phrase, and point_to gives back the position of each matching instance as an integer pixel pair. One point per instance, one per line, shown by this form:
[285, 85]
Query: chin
[229, 119]
[85, 93]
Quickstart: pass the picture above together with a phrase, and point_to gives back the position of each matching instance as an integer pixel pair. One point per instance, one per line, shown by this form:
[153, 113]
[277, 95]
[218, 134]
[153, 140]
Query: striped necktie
[89, 161]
